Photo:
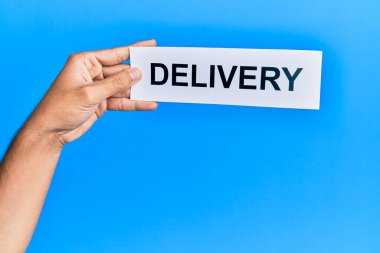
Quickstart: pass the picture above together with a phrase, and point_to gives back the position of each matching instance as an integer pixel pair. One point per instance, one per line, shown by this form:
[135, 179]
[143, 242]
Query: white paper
[249, 63]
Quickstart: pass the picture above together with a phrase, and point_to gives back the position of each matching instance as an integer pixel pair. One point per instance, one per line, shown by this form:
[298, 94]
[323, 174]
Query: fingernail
[135, 74]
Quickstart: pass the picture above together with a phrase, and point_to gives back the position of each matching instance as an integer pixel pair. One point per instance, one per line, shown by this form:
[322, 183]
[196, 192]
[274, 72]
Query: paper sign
[251, 77]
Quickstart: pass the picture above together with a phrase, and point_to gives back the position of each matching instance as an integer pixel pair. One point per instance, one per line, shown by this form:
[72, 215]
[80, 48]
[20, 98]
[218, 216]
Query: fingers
[113, 84]
[112, 70]
[123, 94]
[124, 104]
[117, 55]
[76, 133]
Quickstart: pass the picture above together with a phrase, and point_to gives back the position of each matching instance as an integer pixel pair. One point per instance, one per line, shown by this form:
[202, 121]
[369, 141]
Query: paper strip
[250, 77]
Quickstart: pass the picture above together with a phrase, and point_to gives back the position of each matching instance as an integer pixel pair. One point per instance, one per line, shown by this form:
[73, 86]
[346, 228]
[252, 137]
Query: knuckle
[93, 66]
[121, 80]
[86, 95]
[73, 57]
[118, 56]
[120, 106]
[138, 107]
[117, 81]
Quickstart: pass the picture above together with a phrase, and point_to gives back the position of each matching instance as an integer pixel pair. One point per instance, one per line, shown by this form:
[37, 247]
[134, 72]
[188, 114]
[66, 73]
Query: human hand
[89, 84]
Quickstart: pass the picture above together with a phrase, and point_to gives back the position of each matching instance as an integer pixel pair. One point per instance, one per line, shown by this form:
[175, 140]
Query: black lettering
[194, 78]
[212, 76]
[292, 78]
[153, 67]
[243, 77]
[226, 82]
[175, 74]
[271, 79]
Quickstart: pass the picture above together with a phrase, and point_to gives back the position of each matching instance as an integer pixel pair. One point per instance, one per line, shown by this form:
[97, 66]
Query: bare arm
[90, 84]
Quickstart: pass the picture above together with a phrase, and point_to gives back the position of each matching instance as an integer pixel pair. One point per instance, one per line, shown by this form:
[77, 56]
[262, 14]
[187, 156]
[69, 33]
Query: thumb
[116, 83]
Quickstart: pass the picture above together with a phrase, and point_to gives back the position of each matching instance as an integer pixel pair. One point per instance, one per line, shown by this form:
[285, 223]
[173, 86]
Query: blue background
[207, 178]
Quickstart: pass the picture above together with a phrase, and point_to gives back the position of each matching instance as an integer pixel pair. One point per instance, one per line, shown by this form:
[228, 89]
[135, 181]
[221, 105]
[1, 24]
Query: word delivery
[269, 76]
[228, 76]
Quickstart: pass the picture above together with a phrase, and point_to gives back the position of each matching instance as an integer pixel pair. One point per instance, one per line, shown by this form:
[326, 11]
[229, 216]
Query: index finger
[117, 55]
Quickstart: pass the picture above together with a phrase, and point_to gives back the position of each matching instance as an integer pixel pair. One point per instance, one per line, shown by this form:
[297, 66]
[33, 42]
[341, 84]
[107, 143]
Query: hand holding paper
[89, 84]
[93, 82]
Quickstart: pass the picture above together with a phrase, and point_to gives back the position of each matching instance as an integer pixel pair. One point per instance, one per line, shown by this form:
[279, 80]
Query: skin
[89, 84]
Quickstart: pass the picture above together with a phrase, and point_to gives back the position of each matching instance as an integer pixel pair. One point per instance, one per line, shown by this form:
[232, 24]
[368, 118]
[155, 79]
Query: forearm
[25, 175]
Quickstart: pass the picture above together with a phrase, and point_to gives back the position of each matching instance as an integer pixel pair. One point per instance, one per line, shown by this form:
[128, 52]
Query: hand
[90, 84]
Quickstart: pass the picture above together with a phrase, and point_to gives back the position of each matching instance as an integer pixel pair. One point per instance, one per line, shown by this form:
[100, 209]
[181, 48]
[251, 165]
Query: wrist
[36, 132]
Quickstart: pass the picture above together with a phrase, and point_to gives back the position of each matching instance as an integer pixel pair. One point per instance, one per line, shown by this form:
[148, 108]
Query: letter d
[153, 67]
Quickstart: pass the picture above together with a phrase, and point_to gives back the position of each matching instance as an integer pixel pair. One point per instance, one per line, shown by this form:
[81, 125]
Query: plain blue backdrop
[207, 178]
